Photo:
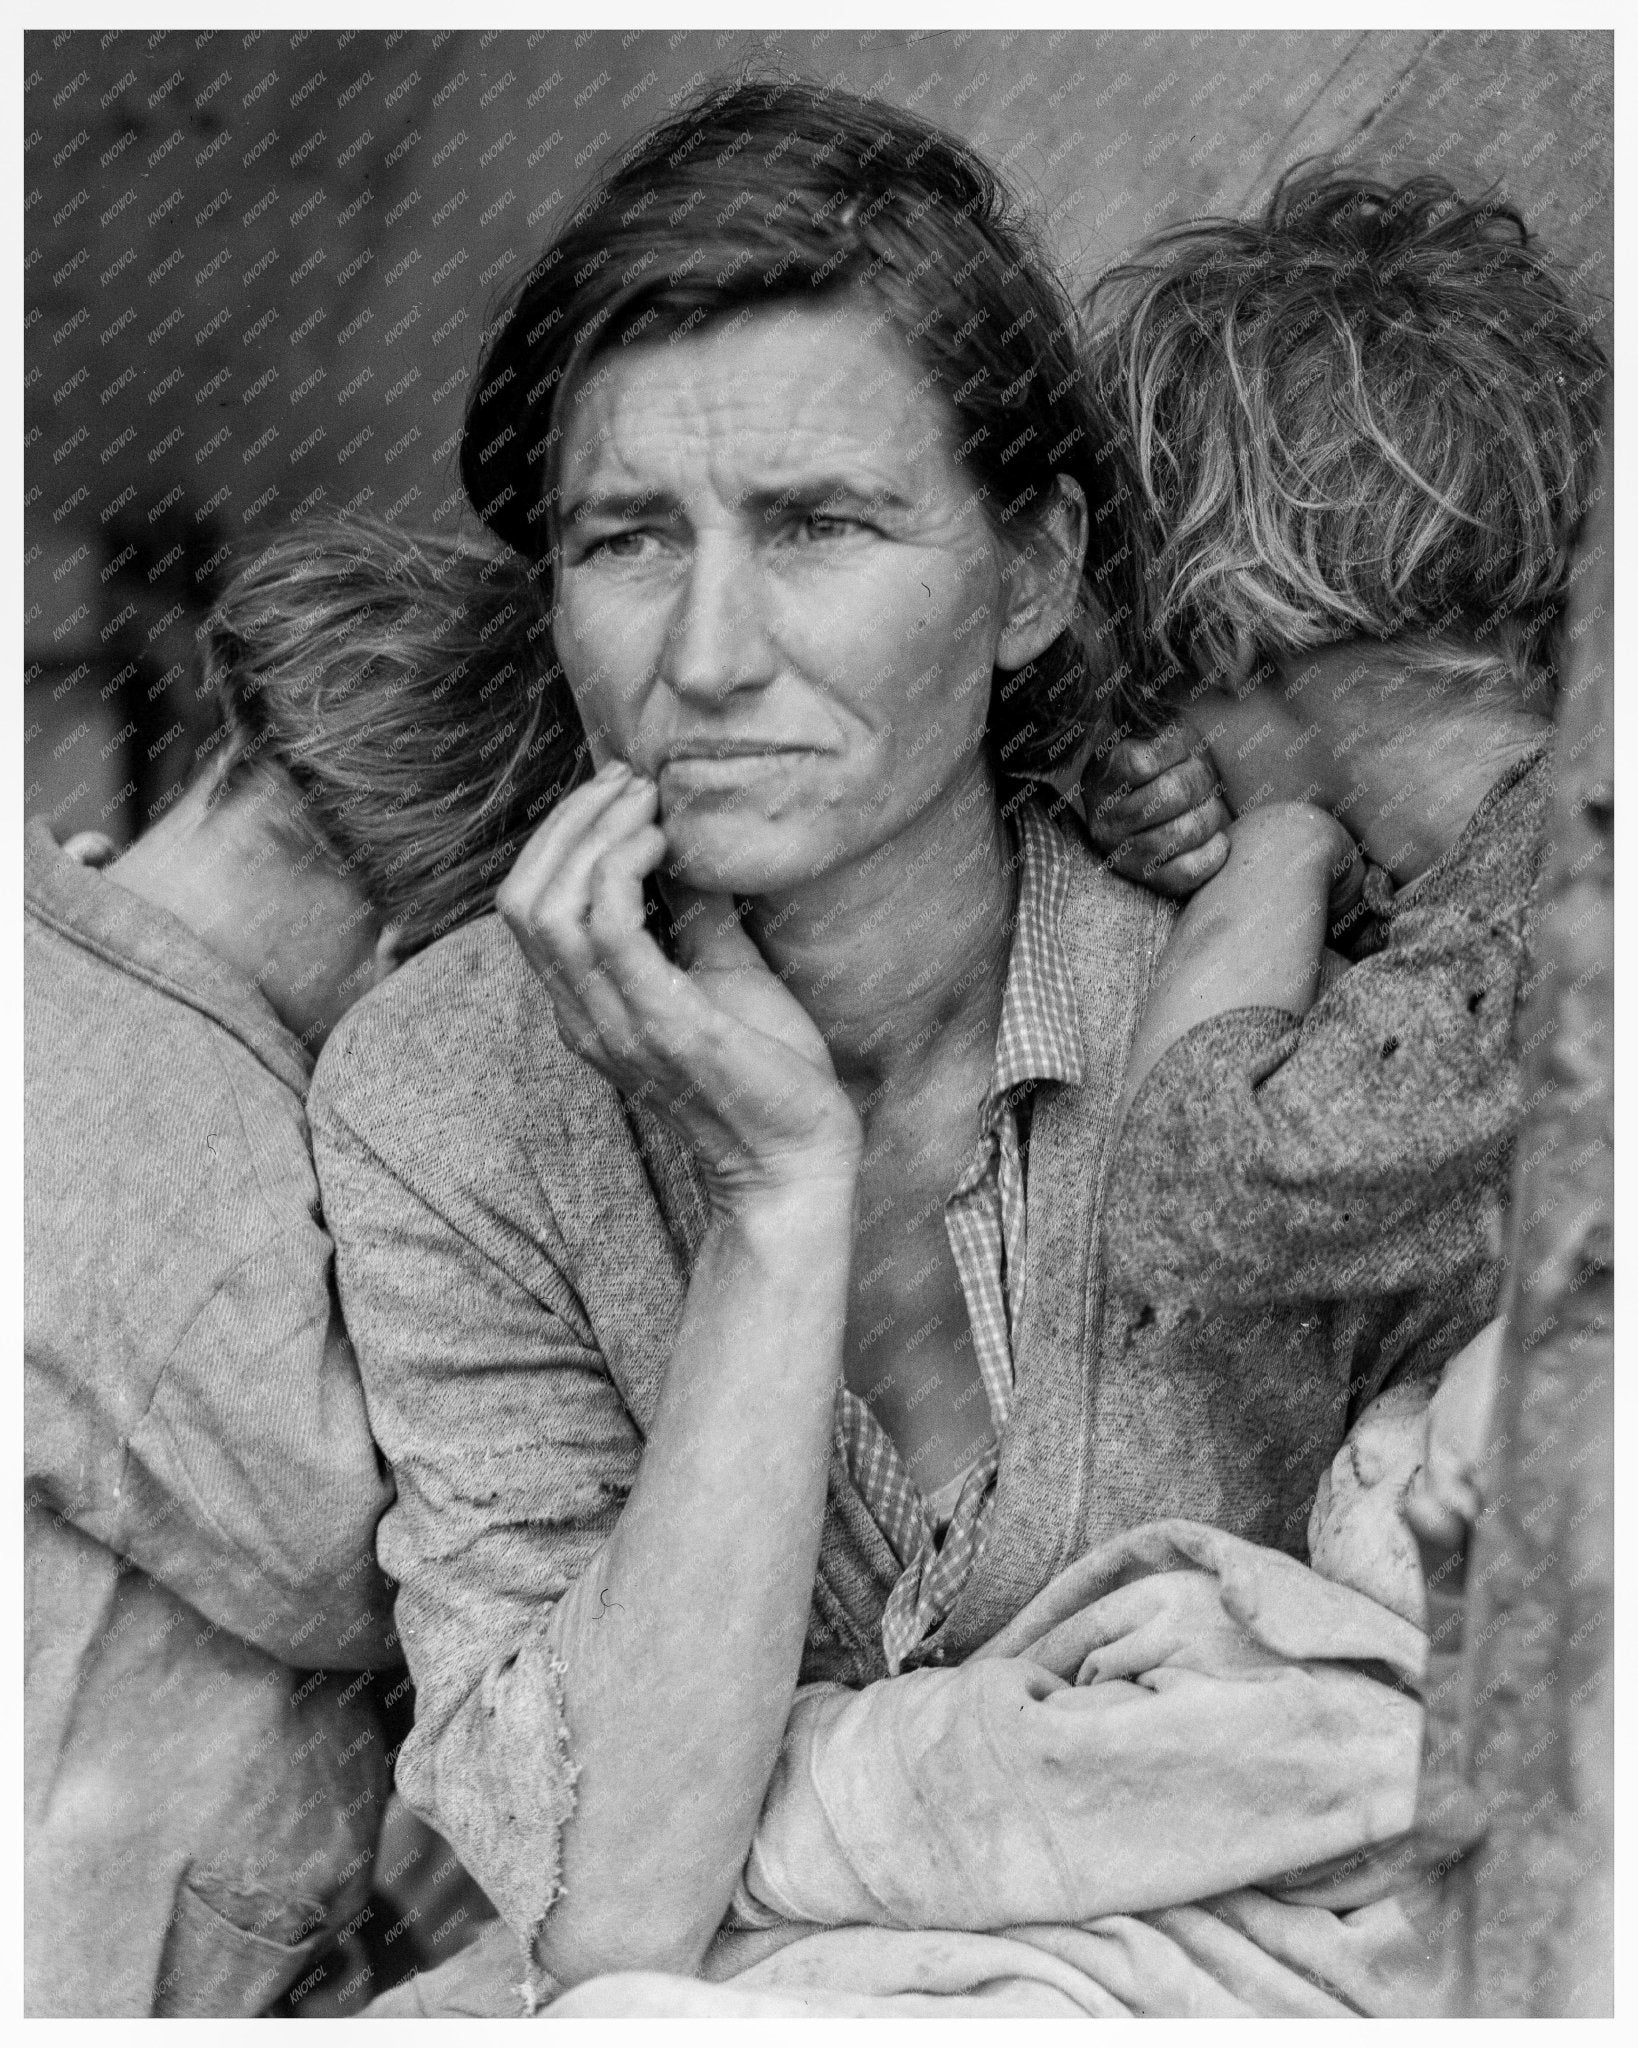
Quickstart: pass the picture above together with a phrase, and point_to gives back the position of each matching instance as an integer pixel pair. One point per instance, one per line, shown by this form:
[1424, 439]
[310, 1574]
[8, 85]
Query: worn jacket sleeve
[237, 1469]
[512, 1453]
[1363, 1150]
[255, 1492]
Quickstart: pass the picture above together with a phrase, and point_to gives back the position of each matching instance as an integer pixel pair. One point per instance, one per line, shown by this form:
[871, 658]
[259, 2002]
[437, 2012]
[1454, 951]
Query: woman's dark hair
[1373, 410]
[758, 194]
[399, 682]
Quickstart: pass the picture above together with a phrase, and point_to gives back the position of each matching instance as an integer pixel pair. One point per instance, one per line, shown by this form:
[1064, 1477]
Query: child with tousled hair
[1361, 431]
[205, 1767]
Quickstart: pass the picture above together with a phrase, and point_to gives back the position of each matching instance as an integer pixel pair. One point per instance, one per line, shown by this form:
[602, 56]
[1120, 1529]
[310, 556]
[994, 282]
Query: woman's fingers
[91, 849]
[564, 824]
[709, 931]
[546, 899]
[723, 1050]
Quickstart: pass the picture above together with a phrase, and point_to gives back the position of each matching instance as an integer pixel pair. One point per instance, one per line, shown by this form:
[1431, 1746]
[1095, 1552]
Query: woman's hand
[1155, 811]
[723, 1051]
[1170, 1619]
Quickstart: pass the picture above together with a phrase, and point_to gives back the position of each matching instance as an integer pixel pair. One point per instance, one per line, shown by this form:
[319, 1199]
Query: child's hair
[404, 685]
[1373, 410]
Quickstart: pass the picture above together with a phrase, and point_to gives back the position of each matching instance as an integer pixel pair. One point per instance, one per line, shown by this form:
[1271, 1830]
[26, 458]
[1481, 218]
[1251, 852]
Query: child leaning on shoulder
[206, 1770]
[1361, 431]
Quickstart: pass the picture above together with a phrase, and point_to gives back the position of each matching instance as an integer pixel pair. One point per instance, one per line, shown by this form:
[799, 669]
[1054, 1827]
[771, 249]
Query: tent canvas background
[258, 265]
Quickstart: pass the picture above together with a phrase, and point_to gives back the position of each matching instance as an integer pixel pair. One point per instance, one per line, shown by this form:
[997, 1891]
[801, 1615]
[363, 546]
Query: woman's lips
[734, 764]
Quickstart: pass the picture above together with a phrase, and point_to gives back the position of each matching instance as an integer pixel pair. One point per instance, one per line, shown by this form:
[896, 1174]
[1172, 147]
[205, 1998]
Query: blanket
[1180, 1782]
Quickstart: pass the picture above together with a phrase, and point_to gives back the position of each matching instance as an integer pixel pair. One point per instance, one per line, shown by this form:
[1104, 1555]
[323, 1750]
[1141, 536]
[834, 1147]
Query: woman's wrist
[795, 1207]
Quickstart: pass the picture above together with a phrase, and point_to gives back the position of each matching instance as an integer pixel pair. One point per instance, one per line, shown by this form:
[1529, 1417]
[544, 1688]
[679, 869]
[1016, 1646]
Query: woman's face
[777, 595]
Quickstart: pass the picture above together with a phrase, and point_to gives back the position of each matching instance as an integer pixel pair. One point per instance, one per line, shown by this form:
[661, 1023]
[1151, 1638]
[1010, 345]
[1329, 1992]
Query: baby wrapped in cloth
[1180, 1782]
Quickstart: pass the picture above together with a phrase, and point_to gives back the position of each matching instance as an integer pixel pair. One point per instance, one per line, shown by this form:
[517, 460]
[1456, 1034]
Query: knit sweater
[1363, 1152]
[513, 1247]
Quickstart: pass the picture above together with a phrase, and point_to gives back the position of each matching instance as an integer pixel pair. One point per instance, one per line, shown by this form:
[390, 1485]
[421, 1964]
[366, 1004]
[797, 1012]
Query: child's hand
[91, 849]
[1155, 812]
[1444, 1499]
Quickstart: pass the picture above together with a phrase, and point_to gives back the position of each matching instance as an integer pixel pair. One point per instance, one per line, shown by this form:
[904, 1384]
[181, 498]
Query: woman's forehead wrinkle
[617, 434]
[801, 406]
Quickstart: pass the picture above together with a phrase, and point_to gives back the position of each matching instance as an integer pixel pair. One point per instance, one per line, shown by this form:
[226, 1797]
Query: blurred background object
[1518, 1783]
[258, 265]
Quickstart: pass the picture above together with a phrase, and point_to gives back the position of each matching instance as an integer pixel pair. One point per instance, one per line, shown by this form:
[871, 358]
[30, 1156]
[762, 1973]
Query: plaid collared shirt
[1039, 1040]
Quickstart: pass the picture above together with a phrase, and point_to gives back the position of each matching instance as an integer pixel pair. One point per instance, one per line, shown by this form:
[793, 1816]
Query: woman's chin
[739, 856]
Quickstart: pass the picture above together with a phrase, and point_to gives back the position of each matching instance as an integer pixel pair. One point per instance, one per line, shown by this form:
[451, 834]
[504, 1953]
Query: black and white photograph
[817, 1110]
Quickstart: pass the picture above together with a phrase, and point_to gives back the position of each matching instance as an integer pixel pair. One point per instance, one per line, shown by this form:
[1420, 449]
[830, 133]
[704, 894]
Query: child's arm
[1253, 938]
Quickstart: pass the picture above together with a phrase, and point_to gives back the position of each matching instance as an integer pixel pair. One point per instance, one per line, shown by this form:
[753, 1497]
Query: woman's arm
[605, 1633]
[681, 1645]
[1253, 938]
[1201, 1747]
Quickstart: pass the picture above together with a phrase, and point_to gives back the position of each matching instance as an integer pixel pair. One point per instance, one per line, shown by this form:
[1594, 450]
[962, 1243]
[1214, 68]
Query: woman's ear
[1043, 579]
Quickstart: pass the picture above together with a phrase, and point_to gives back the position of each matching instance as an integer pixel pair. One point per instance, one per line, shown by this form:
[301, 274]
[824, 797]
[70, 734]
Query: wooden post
[1520, 1734]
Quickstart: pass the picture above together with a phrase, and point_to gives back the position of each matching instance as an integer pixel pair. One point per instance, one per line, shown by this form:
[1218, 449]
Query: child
[1362, 431]
[202, 1488]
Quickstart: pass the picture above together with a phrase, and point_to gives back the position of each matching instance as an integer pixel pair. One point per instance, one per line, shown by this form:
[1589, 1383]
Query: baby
[1361, 432]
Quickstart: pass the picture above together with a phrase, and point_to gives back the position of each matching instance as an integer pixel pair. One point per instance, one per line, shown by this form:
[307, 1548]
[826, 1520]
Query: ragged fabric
[203, 1769]
[1179, 1714]
[1224, 1833]
[1179, 1783]
[513, 1247]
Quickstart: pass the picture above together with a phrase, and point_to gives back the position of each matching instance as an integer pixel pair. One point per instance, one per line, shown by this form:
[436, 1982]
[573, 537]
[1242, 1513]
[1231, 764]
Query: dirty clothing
[1037, 1040]
[1363, 1152]
[203, 1778]
[1027, 1834]
[513, 1246]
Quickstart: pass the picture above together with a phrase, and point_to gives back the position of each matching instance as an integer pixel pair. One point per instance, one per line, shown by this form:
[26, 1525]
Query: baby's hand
[1155, 812]
[1444, 1499]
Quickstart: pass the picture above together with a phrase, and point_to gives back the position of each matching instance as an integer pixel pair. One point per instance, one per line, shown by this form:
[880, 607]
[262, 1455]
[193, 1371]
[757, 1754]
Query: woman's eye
[820, 526]
[628, 545]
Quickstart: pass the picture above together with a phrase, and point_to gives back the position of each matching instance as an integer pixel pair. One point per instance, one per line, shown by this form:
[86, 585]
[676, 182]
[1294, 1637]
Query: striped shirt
[937, 1543]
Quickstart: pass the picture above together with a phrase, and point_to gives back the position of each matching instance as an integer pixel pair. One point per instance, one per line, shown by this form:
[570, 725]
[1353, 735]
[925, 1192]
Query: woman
[202, 1486]
[732, 1319]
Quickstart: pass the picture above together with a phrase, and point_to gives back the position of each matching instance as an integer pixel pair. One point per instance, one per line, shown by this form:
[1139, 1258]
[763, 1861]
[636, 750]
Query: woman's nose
[716, 643]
